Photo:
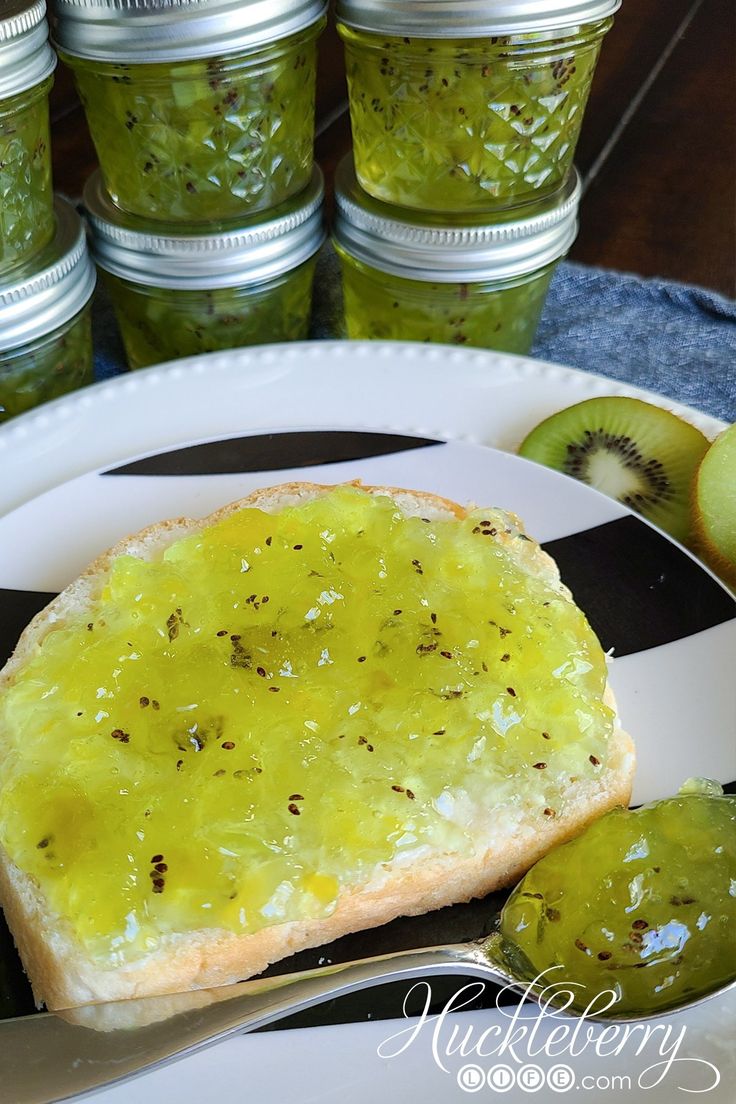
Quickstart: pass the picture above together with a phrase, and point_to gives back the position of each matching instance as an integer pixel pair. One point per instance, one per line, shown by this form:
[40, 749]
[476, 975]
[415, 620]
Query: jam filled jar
[26, 66]
[198, 111]
[468, 106]
[45, 325]
[457, 280]
[179, 293]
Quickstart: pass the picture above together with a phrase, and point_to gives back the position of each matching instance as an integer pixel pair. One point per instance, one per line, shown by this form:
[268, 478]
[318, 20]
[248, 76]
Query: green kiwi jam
[158, 324]
[500, 315]
[207, 139]
[46, 368]
[642, 903]
[467, 124]
[26, 208]
[282, 703]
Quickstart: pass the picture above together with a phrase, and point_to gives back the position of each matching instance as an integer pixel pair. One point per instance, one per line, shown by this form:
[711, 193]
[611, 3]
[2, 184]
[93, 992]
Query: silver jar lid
[471, 18]
[25, 55]
[514, 243]
[175, 30]
[44, 293]
[228, 255]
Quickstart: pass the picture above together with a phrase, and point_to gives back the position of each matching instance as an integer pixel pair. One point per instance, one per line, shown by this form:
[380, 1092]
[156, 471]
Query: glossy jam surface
[643, 902]
[201, 140]
[467, 124]
[283, 703]
[47, 368]
[491, 315]
[160, 324]
[26, 200]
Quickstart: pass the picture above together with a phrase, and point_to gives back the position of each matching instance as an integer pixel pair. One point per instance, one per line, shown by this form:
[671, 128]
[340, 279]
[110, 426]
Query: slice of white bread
[63, 974]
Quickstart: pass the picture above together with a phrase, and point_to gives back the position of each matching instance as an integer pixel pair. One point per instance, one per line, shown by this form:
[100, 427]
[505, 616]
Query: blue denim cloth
[671, 338]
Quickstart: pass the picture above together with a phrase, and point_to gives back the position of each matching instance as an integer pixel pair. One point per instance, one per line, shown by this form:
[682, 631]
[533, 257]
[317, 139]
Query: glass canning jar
[199, 111]
[179, 293]
[482, 113]
[26, 198]
[459, 281]
[45, 327]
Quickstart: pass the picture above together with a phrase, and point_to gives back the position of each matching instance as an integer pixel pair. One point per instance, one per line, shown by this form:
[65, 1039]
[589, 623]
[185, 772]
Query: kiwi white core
[606, 473]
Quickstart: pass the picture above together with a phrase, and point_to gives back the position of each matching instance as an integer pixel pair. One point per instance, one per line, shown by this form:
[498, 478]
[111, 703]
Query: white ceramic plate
[435, 391]
[670, 623]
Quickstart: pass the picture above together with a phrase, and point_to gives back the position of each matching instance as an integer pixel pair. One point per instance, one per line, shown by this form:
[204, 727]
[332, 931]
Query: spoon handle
[52, 1056]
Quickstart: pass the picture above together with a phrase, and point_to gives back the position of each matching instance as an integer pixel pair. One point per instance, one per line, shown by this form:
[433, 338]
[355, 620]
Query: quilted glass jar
[198, 111]
[462, 281]
[45, 325]
[26, 199]
[485, 113]
[177, 293]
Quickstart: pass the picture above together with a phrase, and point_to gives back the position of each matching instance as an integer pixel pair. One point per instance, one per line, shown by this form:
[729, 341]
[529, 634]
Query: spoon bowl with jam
[631, 920]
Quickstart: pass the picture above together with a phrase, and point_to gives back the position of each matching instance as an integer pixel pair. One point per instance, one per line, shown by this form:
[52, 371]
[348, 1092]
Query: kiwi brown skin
[713, 507]
[640, 454]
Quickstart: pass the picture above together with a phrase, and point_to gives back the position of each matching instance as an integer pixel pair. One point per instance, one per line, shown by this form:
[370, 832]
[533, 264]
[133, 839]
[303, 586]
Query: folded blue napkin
[674, 339]
[677, 340]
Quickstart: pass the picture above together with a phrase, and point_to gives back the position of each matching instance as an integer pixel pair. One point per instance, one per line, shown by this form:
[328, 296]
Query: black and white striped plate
[671, 626]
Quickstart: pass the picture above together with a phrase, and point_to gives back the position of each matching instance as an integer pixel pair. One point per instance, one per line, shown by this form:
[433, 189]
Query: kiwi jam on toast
[235, 731]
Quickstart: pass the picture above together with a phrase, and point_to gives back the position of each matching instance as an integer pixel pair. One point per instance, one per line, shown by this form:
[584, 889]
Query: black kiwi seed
[640, 454]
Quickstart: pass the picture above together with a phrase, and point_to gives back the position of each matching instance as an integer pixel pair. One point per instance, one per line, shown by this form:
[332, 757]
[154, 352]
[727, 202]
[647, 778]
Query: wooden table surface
[657, 150]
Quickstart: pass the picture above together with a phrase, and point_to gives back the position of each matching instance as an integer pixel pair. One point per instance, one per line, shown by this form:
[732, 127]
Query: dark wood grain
[332, 92]
[664, 201]
[642, 30]
[72, 154]
[64, 97]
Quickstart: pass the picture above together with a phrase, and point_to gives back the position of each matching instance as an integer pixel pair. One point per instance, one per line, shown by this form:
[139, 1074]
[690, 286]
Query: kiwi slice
[714, 506]
[641, 455]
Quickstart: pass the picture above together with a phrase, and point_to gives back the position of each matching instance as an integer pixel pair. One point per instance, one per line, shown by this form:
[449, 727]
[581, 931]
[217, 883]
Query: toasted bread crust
[61, 973]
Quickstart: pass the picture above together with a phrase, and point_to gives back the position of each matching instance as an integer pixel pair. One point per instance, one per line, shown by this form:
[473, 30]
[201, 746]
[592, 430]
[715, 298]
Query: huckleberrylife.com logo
[538, 1046]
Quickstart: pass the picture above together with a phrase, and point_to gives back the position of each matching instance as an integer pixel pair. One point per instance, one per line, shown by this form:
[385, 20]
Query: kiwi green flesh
[715, 495]
[641, 455]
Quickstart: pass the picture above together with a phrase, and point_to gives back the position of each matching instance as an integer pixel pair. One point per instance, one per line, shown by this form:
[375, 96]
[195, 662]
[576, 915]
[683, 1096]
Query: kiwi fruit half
[641, 455]
[714, 506]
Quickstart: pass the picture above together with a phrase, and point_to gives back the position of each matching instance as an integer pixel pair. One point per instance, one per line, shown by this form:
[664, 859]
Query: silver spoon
[54, 1056]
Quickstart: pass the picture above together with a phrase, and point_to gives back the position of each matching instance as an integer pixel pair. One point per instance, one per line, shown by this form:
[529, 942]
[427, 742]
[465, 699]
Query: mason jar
[177, 293]
[458, 281]
[198, 110]
[45, 319]
[26, 197]
[472, 106]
